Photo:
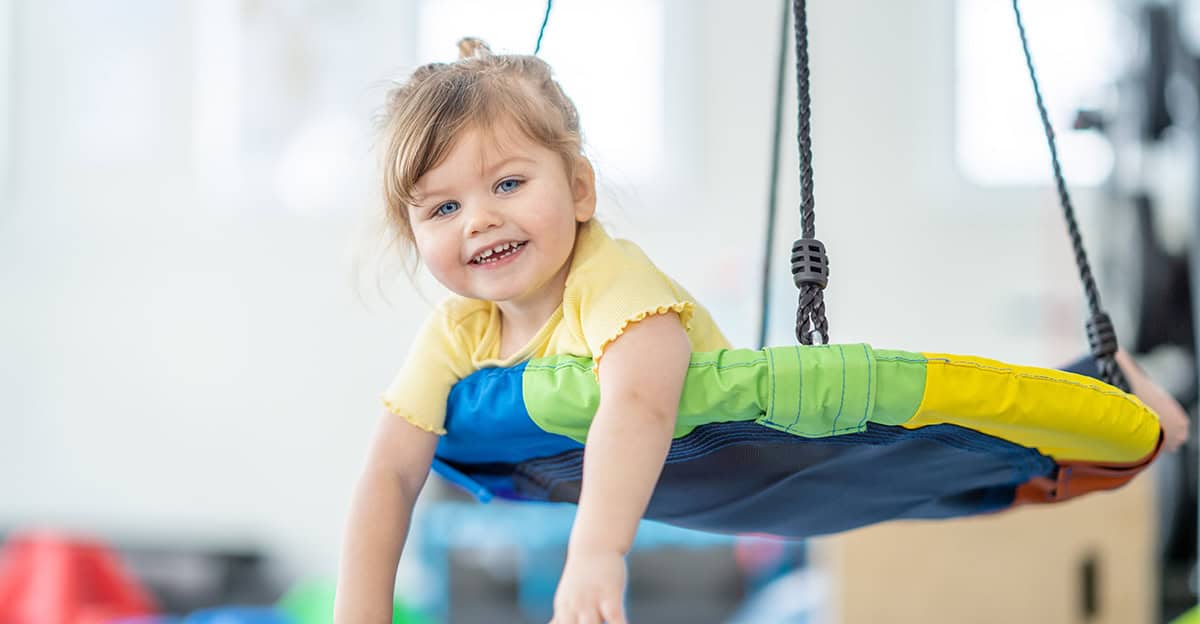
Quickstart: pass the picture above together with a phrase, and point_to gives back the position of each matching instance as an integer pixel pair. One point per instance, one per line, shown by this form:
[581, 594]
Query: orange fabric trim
[1079, 478]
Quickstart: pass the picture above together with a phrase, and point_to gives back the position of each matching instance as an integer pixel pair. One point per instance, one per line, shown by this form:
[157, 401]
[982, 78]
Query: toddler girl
[484, 174]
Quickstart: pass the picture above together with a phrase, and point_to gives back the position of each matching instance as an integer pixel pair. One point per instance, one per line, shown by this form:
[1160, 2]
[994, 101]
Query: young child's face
[497, 218]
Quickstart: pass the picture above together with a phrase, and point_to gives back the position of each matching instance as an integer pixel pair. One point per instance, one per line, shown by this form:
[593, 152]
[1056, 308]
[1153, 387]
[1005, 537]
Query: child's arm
[1171, 415]
[396, 469]
[641, 378]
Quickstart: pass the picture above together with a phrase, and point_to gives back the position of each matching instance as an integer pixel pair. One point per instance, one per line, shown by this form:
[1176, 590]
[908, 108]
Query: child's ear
[583, 190]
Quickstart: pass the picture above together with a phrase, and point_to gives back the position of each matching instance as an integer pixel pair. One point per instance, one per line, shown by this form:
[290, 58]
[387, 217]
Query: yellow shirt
[611, 284]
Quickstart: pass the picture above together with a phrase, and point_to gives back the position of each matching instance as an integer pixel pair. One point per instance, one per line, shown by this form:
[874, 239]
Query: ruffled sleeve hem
[684, 309]
[434, 429]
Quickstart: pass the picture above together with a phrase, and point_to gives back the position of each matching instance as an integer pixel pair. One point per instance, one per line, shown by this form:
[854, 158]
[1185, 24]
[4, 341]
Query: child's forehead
[477, 150]
[492, 141]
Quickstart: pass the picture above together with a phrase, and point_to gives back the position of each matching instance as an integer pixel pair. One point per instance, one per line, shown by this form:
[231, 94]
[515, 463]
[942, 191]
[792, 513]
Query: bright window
[999, 133]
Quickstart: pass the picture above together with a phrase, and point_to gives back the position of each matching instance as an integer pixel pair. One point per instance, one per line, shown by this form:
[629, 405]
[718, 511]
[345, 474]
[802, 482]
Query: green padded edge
[815, 391]
[900, 381]
[827, 390]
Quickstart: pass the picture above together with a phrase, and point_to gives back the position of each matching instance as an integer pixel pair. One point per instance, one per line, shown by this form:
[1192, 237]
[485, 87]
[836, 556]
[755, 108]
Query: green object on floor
[311, 602]
[1191, 616]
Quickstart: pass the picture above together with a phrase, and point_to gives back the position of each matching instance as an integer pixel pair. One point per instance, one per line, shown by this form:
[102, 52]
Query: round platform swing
[819, 438]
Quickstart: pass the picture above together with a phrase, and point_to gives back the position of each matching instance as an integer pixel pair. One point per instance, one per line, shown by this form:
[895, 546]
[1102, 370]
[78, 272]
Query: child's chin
[498, 294]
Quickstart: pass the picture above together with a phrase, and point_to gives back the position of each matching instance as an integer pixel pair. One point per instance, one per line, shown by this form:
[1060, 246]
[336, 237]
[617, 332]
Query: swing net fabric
[810, 440]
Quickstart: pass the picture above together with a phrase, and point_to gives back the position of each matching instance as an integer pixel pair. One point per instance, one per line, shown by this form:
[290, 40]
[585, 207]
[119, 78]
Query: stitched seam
[1014, 373]
[842, 399]
[870, 387]
[850, 429]
[799, 401]
[799, 376]
[774, 388]
[715, 364]
[900, 358]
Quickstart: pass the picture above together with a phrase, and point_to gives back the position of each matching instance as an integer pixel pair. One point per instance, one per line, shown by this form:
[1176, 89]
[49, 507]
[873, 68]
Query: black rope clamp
[810, 265]
[1101, 335]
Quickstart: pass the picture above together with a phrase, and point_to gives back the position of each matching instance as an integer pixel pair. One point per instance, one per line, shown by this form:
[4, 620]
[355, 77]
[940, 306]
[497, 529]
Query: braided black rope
[1101, 336]
[542, 31]
[773, 184]
[810, 265]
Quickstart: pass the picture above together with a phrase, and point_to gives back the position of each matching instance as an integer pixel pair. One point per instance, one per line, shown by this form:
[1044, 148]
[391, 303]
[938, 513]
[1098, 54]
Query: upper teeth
[495, 250]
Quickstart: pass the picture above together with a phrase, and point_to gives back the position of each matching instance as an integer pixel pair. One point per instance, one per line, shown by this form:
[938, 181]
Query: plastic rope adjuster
[810, 264]
[1101, 335]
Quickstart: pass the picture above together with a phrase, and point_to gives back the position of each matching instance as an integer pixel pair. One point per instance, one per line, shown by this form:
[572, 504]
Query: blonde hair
[427, 113]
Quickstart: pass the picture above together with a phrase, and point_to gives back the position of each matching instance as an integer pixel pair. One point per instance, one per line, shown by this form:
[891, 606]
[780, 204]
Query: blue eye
[508, 185]
[445, 209]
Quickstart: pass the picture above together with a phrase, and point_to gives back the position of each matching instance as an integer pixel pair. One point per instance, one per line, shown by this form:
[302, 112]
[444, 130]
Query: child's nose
[482, 218]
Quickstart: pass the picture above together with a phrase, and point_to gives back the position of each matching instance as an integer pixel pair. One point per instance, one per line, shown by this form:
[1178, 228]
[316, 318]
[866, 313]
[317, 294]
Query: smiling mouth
[498, 253]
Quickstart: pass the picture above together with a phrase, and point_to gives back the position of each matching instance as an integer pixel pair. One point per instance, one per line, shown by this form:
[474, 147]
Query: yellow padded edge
[1066, 416]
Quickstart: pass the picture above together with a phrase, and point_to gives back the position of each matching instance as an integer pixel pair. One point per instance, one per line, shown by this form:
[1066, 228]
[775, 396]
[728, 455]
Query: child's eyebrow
[508, 161]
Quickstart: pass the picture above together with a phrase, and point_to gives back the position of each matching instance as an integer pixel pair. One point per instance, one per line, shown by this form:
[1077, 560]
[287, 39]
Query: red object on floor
[55, 579]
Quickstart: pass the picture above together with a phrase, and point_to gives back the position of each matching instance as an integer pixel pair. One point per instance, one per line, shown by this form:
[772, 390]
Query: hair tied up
[472, 47]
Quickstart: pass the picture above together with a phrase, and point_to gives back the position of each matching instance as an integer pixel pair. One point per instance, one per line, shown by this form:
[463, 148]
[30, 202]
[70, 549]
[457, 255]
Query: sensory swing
[820, 438]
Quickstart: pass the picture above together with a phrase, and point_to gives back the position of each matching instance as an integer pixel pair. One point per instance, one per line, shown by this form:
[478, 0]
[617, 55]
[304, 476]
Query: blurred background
[197, 313]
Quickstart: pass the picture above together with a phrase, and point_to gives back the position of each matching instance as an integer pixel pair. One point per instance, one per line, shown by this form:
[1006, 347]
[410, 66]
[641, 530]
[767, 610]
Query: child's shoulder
[598, 250]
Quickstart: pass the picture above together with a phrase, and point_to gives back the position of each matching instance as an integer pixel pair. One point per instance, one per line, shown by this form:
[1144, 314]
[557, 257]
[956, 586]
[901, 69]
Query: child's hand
[591, 589]
[1171, 417]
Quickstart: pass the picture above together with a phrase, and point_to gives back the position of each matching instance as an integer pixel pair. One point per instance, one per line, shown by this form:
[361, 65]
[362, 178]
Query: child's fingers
[577, 616]
[589, 616]
[612, 612]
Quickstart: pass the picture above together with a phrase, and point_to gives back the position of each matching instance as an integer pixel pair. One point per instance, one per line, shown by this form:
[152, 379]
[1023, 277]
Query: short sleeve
[618, 288]
[434, 364]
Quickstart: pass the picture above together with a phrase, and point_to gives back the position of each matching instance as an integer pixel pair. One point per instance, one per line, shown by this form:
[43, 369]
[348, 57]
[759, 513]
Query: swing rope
[773, 184]
[1101, 336]
[542, 31]
[810, 264]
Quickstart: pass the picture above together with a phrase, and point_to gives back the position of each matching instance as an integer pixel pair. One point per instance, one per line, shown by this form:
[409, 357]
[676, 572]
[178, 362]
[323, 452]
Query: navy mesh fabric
[746, 478]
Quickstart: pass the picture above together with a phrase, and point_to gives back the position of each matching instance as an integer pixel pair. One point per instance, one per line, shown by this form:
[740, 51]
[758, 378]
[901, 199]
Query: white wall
[176, 366]
[191, 362]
